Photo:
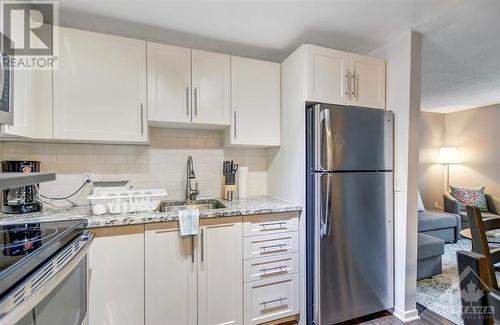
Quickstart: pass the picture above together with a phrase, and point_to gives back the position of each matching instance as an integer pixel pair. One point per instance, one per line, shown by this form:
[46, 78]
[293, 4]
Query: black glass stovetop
[24, 247]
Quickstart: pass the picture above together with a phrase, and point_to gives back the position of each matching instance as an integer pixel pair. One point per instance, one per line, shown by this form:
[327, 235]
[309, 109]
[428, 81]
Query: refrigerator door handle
[328, 206]
[324, 205]
[323, 137]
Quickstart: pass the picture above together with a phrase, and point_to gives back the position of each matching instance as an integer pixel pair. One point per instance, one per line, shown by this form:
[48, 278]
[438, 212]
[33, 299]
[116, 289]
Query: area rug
[441, 293]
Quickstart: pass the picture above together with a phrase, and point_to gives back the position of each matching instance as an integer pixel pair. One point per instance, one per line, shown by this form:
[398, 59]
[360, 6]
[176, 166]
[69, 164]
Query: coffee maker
[22, 199]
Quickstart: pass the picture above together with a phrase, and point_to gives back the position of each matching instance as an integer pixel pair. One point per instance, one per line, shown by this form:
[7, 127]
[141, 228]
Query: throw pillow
[421, 207]
[470, 196]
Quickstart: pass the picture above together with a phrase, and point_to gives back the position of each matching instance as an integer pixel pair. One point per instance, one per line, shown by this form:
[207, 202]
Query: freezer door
[354, 245]
[351, 138]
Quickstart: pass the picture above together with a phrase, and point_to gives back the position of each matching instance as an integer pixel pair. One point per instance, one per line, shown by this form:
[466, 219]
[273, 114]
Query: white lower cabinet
[220, 296]
[170, 276]
[200, 284]
[149, 274]
[270, 267]
[116, 276]
[271, 299]
[267, 267]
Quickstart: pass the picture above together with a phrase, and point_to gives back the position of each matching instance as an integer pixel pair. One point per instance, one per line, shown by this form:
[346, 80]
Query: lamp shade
[448, 155]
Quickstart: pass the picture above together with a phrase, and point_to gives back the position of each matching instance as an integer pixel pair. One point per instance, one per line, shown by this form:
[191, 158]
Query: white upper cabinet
[255, 103]
[32, 105]
[211, 73]
[367, 81]
[343, 78]
[327, 75]
[100, 88]
[169, 84]
[220, 274]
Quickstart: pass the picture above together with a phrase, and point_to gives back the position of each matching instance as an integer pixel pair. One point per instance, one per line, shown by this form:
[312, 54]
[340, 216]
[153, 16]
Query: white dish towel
[188, 221]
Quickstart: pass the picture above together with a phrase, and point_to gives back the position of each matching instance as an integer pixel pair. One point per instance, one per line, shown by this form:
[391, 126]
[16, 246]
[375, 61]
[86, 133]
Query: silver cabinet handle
[195, 100]
[354, 92]
[280, 300]
[192, 249]
[277, 269]
[187, 100]
[202, 245]
[234, 123]
[142, 119]
[269, 224]
[277, 247]
[348, 84]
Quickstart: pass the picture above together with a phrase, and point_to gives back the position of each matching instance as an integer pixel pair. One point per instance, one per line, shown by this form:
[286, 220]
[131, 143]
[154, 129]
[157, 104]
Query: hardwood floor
[427, 317]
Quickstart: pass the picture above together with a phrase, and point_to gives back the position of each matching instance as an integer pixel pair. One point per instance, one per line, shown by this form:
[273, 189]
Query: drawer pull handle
[277, 247]
[280, 300]
[270, 224]
[272, 270]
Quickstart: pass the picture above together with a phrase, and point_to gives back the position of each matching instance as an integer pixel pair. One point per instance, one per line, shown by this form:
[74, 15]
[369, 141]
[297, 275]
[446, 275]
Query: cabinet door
[327, 75]
[255, 103]
[169, 84]
[211, 88]
[116, 276]
[100, 88]
[170, 276]
[33, 105]
[220, 279]
[368, 84]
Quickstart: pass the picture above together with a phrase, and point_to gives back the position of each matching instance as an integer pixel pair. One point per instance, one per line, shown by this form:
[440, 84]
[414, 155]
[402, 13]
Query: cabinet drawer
[270, 223]
[270, 267]
[271, 299]
[267, 245]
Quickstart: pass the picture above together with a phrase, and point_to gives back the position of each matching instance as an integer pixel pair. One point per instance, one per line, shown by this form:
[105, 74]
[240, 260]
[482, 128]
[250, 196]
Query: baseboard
[406, 316]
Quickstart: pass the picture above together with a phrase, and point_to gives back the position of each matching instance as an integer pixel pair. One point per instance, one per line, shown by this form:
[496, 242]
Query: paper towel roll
[242, 182]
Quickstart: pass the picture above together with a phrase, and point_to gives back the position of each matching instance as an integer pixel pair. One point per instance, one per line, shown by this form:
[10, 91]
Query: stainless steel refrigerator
[349, 214]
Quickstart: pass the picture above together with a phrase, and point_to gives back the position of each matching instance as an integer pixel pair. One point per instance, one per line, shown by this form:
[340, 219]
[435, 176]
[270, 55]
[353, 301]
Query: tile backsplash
[160, 165]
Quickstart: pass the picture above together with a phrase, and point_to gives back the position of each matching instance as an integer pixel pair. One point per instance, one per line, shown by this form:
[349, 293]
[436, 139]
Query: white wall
[286, 173]
[160, 165]
[475, 133]
[403, 56]
[431, 180]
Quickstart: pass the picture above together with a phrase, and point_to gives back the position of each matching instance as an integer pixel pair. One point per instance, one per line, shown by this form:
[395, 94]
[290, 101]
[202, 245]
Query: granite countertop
[240, 207]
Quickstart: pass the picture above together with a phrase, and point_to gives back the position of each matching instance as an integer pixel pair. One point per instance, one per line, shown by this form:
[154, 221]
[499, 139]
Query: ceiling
[461, 58]
[272, 29]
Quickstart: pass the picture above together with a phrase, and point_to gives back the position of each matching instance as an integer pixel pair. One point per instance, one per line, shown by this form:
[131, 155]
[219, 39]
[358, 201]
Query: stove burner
[23, 239]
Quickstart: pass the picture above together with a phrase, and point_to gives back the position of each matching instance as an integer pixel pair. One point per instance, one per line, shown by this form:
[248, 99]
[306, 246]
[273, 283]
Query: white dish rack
[126, 201]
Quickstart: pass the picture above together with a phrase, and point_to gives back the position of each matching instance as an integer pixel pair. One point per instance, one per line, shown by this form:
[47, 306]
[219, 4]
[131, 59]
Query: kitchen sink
[172, 206]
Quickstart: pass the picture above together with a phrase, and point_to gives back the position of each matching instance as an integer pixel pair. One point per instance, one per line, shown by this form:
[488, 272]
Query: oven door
[60, 295]
[66, 304]
[6, 91]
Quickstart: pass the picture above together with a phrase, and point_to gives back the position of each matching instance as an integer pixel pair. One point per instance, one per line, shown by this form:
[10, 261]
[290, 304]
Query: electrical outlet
[87, 177]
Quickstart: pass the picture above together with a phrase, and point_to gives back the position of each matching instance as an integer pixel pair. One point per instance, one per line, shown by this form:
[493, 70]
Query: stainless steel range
[43, 272]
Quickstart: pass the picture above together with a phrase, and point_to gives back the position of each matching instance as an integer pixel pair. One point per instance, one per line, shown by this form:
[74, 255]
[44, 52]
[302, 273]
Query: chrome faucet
[190, 193]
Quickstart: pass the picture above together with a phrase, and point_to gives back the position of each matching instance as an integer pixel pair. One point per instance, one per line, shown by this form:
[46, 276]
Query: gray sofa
[434, 229]
[429, 256]
[445, 226]
[451, 205]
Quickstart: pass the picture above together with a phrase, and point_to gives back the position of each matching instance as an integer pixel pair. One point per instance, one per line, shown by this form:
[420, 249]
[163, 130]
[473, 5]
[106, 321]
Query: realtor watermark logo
[29, 34]
[472, 305]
